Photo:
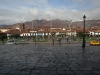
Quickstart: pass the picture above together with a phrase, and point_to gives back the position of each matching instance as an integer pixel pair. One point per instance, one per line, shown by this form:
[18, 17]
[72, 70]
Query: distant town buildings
[47, 30]
[4, 30]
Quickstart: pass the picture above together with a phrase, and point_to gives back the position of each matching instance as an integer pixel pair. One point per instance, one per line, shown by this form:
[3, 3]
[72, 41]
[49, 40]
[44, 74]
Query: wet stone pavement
[47, 59]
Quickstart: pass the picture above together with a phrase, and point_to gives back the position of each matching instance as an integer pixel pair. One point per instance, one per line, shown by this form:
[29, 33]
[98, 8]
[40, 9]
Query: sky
[17, 11]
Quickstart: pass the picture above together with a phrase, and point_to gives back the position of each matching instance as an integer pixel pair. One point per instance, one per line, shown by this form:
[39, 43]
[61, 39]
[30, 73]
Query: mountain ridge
[57, 22]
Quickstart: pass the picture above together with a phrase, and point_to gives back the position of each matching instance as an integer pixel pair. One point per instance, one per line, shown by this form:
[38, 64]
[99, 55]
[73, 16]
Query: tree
[15, 36]
[3, 36]
[80, 34]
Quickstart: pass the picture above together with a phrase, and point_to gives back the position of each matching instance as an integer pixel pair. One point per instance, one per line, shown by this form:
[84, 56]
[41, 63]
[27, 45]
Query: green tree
[3, 37]
[15, 36]
[80, 34]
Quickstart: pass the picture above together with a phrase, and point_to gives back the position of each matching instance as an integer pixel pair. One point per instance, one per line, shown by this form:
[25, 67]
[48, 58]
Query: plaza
[48, 59]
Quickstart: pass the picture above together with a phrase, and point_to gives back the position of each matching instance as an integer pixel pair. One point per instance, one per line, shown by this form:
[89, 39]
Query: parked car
[95, 42]
[12, 41]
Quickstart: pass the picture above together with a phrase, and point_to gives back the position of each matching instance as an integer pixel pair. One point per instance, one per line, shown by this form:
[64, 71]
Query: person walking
[53, 40]
[35, 40]
[59, 40]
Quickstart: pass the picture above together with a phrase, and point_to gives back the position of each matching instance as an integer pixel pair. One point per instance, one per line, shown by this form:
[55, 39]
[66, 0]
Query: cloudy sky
[14, 11]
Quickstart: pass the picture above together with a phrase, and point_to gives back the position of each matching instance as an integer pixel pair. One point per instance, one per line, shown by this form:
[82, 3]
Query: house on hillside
[4, 29]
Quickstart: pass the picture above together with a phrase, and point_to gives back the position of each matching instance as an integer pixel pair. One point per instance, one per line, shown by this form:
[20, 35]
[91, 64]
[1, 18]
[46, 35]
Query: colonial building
[54, 31]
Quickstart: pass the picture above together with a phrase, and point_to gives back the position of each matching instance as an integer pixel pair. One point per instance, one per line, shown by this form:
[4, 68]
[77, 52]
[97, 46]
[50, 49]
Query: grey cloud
[96, 2]
[27, 14]
[24, 13]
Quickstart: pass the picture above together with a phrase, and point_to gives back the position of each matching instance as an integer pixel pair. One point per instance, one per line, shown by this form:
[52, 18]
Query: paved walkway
[48, 59]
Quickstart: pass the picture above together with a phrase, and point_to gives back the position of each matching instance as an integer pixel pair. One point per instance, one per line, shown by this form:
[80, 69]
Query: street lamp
[83, 45]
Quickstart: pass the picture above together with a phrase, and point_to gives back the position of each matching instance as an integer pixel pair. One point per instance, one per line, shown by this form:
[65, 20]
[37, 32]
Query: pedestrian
[59, 40]
[53, 41]
[67, 39]
[35, 40]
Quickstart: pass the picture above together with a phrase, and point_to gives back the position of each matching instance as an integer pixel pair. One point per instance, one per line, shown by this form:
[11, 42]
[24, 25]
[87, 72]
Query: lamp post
[32, 34]
[70, 27]
[83, 45]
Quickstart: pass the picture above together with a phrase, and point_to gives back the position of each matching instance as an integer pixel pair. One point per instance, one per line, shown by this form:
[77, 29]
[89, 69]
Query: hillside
[5, 26]
[57, 22]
